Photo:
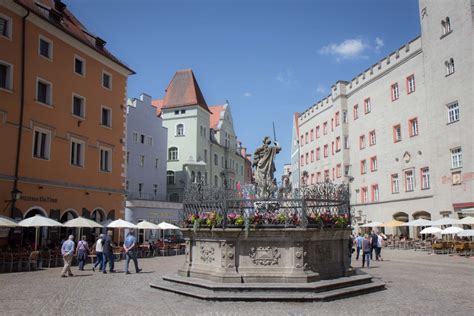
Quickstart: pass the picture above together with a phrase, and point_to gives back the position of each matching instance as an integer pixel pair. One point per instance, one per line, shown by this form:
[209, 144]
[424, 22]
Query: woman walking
[82, 252]
[99, 252]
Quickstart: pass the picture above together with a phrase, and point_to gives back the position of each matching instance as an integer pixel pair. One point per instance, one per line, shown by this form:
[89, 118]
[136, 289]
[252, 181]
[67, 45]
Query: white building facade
[401, 131]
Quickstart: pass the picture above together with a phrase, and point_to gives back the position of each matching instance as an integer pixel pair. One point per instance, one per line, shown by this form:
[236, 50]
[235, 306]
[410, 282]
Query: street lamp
[15, 194]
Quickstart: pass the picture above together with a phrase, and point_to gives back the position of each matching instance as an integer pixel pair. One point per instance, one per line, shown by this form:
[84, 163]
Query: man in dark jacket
[108, 253]
[373, 243]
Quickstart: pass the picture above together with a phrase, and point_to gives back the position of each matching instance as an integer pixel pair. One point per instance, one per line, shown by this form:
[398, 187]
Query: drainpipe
[22, 107]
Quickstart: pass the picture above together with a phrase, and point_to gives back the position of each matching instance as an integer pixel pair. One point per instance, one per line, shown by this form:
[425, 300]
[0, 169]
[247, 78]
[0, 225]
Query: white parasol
[446, 221]
[468, 220]
[451, 230]
[466, 233]
[7, 222]
[165, 226]
[419, 222]
[120, 223]
[431, 230]
[373, 224]
[38, 221]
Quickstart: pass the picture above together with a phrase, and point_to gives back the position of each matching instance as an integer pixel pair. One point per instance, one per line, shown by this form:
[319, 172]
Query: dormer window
[445, 26]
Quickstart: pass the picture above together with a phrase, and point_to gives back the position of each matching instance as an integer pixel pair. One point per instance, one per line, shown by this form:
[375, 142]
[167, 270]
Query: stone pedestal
[269, 255]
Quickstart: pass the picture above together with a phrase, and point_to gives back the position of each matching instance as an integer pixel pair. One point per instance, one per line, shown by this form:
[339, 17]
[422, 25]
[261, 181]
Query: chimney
[59, 5]
[99, 43]
[55, 16]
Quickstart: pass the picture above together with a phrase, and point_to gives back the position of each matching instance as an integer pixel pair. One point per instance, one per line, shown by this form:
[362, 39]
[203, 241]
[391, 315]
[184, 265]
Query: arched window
[443, 27]
[170, 177]
[199, 176]
[173, 154]
[216, 179]
[448, 25]
[180, 130]
[193, 177]
[449, 64]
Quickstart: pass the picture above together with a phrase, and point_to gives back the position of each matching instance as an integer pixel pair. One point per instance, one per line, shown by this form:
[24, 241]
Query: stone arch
[421, 214]
[98, 215]
[35, 210]
[402, 217]
[68, 213]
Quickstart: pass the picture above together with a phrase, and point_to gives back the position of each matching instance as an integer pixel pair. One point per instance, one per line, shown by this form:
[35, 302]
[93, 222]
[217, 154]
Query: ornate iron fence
[321, 205]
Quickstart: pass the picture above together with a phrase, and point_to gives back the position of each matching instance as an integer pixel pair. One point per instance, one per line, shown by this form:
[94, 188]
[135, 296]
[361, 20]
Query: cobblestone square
[417, 284]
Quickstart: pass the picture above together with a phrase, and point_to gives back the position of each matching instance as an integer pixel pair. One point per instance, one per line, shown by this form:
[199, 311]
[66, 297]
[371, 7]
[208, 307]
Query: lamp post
[15, 196]
[349, 181]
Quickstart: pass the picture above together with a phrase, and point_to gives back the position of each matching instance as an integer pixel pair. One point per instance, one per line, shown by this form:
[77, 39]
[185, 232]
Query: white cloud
[378, 44]
[286, 77]
[320, 89]
[348, 49]
[247, 94]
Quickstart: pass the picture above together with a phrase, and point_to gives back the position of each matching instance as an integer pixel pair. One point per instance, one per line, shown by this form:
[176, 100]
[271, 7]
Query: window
[157, 163]
[373, 164]
[170, 177]
[453, 112]
[312, 155]
[326, 175]
[127, 185]
[6, 76]
[445, 26]
[413, 127]
[363, 167]
[409, 181]
[356, 112]
[425, 178]
[141, 162]
[106, 80]
[205, 155]
[338, 143]
[344, 116]
[364, 196]
[325, 128]
[149, 141]
[135, 137]
[216, 160]
[306, 138]
[338, 170]
[79, 66]
[318, 177]
[372, 139]
[332, 148]
[173, 154]
[105, 159]
[325, 151]
[77, 153]
[41, 143]
[193, 177]
[456, 158]
[395, 183]
[317, 131]
[332, 124]
[43, 91]
[312, 178]
[318, 152]
[375, 193]
[347, 169]
[5, 26]
[346, 142]
[128, 157]
[183, 111]
[106, 117]
[45, 47]
[216, 181]
[397, 133]
[176, 112]
[449, 64]
[155, 190]
[311, 135]
[362, 142]
[140, 189]
[395, 92]
[410, 84]
[307, 160]
[302, 140]
[337, 119]
[367, 106]
[78, 106]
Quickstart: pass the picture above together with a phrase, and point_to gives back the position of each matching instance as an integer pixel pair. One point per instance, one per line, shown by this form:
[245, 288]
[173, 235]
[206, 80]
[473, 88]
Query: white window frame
[411, 84]
[375, 193]
[425, 178]
[50, 104]
[456, 157]
[51, 47]
[395, 91]
[102, 80]
[453, 108]
[169, 174]
[48, 143]
[149, 141]
[135, 137]
[155, 190]
[83, 106]
[176, 130]
[395, 183]
[141, 160]
[110, 116]
[83, 153]
[109, 162]
[177, 154]
[83, 65]
[9, 87]
[9, 27]
[407, 183]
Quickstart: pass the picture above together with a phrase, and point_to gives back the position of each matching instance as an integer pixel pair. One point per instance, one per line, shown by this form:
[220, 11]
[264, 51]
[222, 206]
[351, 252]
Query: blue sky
[268, 58]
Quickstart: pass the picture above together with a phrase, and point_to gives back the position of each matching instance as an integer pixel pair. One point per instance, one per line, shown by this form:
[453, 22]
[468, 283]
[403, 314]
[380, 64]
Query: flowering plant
[235, 219]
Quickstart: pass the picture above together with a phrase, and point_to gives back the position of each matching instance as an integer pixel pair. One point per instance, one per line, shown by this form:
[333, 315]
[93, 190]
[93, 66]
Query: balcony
[143, 196]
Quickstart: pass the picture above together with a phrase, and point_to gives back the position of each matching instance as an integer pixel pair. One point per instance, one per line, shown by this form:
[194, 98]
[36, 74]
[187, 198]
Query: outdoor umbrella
[373, 224]
[7, 222]
[82, 222]
[419, 222]
[466, 233]
[120, 223]
[446, 221]
[431, 230]
[393, 223]
[468, 220]
[451, 230]
[38, 221]
[146, 225]
[165, 226]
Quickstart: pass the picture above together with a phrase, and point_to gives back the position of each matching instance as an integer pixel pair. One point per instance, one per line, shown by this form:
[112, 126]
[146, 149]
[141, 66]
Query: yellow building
[62, 116]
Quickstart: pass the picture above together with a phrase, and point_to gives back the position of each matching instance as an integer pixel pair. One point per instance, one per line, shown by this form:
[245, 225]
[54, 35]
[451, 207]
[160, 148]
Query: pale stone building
[202, 143]
[401, 131]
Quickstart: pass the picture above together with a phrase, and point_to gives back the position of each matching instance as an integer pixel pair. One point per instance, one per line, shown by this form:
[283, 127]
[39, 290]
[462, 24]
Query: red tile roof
[184, 90]
[158, 104]
[68, 24]
[216, 111]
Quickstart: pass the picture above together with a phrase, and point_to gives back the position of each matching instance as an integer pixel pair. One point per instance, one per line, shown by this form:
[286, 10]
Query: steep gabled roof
[216, 111]
[158, 104]
[184, 90]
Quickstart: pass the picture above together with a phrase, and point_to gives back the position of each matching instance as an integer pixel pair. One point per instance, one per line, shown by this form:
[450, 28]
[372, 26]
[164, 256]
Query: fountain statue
[264, 163]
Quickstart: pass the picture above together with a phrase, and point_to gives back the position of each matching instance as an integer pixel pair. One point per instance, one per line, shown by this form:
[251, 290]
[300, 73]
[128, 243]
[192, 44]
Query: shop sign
[44, 199]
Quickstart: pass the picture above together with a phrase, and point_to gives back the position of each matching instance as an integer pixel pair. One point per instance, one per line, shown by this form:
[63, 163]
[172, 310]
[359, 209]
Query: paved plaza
[417, 284]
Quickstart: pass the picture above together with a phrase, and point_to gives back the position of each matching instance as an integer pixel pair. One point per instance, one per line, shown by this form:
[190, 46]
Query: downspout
[22, 107]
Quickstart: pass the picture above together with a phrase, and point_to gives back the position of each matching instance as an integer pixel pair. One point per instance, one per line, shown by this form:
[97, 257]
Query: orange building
[62, 116]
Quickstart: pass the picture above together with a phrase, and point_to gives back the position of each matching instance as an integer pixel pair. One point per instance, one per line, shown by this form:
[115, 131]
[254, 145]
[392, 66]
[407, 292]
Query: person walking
[67, 251]
[82, 252]
[373, 241]
[99, 249]
[379, 247]
[130, 251]
[358, 241]
[108, 253]
[366, 251]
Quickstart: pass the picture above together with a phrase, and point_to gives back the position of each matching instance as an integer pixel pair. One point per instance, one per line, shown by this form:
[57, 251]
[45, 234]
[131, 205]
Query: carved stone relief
[207, 253]
[265, 256]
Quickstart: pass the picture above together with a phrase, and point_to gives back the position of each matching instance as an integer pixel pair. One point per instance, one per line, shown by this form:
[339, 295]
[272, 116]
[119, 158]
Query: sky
[269, 59]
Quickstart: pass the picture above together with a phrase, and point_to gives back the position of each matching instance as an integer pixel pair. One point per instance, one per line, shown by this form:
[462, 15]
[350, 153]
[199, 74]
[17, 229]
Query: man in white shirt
[99, 252]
